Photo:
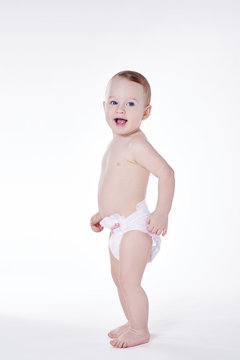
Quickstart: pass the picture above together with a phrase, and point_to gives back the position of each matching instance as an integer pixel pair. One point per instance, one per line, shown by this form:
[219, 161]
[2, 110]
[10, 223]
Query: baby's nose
[120, 109]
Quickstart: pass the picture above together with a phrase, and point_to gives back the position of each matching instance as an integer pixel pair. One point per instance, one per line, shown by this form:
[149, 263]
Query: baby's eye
[130, 102]
[112, 101]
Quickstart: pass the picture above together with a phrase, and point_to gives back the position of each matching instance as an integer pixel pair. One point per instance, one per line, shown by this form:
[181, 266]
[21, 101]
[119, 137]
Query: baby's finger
[94, 221]
[154, 230]
[100, 226]
[150, 228]
[96, 228]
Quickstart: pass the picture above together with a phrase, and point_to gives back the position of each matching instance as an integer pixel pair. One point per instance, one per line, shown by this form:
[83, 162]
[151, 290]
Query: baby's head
[135, 77]
[127, 96]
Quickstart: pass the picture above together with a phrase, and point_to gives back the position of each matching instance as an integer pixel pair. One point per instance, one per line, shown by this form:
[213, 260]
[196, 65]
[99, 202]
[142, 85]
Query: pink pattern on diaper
[116, 225]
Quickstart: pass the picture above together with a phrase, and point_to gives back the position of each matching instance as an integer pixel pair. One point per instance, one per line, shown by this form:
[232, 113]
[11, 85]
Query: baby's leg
[135, 251]
[115, 271]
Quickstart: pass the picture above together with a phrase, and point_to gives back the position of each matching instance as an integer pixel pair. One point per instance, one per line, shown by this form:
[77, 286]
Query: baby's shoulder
[139, 139]
[137, 144]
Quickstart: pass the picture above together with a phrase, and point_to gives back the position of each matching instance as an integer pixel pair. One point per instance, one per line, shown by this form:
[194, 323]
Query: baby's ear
[147, 112]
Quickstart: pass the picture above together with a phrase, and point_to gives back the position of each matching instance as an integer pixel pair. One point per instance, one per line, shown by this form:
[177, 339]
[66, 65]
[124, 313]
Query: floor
[201, 330]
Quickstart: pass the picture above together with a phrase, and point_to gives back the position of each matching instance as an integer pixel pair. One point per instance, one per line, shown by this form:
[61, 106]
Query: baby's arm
[145, 155]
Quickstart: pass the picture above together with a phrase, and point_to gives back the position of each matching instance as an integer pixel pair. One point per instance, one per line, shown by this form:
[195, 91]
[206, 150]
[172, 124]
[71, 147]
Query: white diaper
[136, 221]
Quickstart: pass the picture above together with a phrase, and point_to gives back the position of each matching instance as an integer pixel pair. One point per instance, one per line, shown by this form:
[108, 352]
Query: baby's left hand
[157, 223]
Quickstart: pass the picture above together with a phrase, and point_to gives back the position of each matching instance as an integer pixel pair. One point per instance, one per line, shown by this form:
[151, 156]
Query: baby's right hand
[95, 222]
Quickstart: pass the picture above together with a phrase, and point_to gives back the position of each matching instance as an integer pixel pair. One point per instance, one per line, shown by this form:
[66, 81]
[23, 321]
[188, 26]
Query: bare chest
[117, 161]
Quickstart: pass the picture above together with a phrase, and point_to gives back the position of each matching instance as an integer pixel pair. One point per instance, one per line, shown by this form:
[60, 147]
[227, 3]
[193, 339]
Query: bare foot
[118, 331]
[131, 337]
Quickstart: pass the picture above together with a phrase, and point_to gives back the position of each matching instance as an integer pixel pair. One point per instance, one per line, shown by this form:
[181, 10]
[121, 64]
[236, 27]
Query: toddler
[135, 235]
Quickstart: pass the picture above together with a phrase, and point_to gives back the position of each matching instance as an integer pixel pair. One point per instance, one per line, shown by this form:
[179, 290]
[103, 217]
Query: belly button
[118, 164]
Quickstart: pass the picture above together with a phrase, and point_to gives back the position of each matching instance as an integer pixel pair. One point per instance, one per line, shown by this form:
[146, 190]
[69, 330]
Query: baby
[135, 235]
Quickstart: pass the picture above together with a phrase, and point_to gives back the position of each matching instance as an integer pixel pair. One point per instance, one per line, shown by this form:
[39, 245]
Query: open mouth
[120, 121]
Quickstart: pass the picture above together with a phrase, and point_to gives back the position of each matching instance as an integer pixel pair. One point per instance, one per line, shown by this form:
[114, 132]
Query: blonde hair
[138, 78]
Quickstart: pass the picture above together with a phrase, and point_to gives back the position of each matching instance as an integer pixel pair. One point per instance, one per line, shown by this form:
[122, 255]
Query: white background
[57, 297]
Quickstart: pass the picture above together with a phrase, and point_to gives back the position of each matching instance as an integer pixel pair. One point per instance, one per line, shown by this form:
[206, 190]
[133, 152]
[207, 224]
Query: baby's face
[125, 99]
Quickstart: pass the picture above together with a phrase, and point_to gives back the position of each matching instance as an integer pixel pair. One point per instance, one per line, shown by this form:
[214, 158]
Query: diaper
[136, 221]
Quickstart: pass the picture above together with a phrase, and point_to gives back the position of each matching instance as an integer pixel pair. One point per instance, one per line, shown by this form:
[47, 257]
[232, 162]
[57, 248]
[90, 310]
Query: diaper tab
[116, 225]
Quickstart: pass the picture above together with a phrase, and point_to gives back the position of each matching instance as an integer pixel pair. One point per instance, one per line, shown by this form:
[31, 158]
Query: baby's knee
[128, 282]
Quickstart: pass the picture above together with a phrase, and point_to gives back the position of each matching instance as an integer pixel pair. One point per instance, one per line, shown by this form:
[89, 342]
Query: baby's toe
[113, 342]
[119, 344]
